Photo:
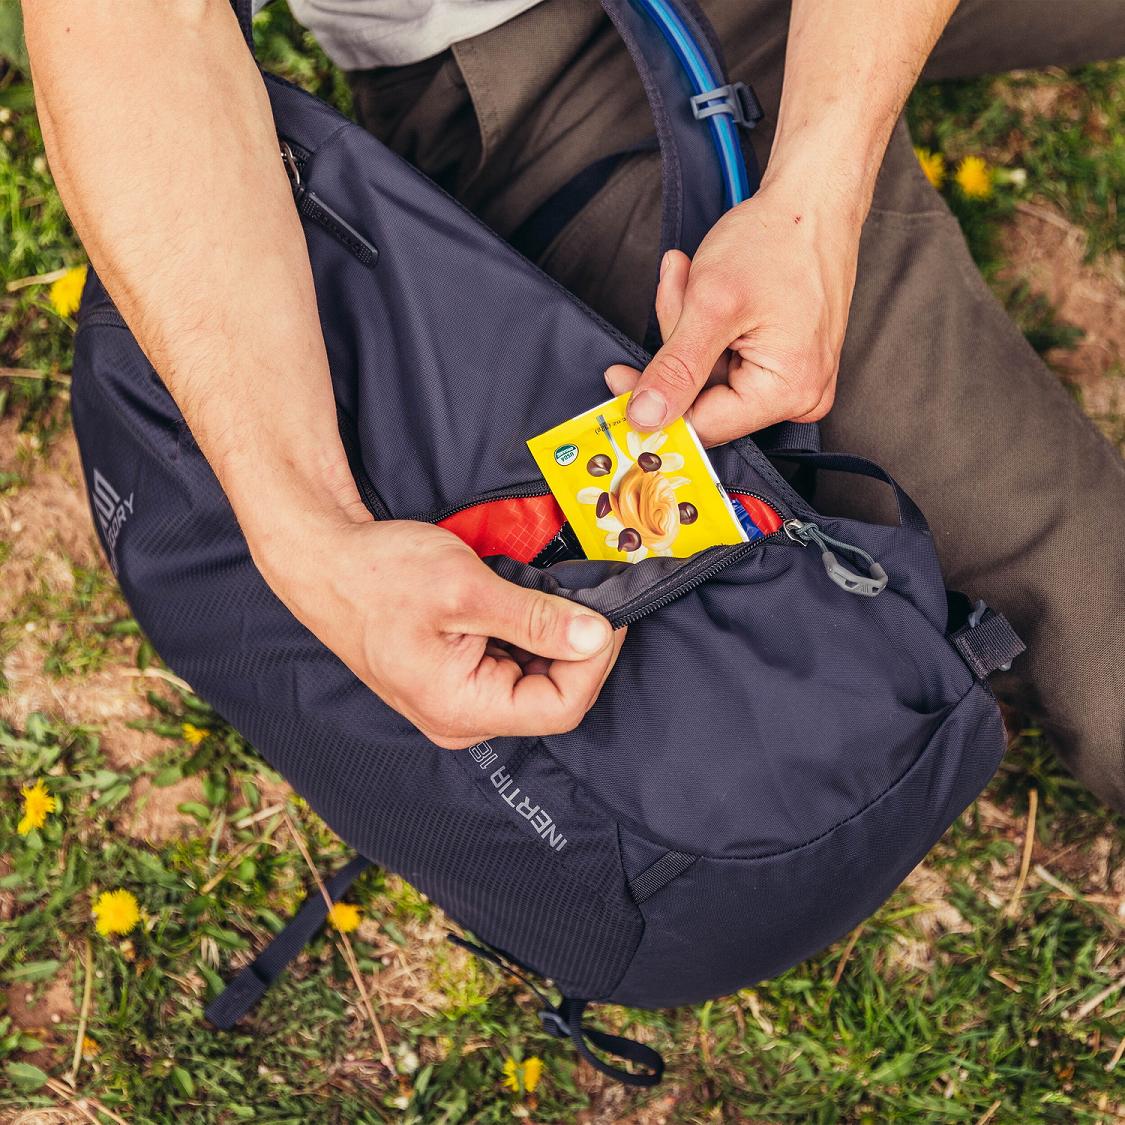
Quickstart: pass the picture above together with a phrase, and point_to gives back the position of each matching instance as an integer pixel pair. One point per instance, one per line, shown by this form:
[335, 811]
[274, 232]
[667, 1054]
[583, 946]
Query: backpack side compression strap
[246, 989]
[564, 1021]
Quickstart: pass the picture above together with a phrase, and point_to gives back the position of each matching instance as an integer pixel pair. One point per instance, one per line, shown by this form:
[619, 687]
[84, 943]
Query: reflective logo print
[538, 817]
[112, 512]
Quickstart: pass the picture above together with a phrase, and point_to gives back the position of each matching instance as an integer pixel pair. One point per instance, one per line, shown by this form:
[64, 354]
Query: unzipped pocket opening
[523, 532]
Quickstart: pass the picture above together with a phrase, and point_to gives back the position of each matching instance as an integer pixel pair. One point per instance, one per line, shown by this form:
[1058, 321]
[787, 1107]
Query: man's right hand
[228, 317]
[463, 654]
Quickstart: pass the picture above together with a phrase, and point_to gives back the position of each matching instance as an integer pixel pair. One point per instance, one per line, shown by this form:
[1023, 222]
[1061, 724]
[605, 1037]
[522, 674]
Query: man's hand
[201, 249]
[753, 326]
[440, 637]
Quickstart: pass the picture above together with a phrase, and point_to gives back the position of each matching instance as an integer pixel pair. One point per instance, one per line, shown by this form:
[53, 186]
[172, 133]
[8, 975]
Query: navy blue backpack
[792, 722]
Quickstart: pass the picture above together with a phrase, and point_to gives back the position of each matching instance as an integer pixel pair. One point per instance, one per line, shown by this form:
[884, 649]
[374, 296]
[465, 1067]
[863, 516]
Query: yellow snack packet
[630, 494]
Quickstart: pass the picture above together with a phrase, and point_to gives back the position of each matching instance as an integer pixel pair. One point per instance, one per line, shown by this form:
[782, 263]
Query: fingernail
[586, 634]
[647, 410]
[664, 263]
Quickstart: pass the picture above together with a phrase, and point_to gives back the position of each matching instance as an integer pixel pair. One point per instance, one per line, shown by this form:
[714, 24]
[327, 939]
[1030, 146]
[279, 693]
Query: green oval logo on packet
[565, 454]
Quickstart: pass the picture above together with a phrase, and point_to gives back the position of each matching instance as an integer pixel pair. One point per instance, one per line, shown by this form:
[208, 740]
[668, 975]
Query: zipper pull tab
[866, 585]
[292, 169]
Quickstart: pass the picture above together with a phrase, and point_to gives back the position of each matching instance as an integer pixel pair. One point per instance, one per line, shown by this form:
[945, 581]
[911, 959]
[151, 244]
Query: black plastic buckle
[554, 1024]
[736, 99]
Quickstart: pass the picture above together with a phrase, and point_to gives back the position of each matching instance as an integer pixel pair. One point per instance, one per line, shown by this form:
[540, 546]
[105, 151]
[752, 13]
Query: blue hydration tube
[722, 125]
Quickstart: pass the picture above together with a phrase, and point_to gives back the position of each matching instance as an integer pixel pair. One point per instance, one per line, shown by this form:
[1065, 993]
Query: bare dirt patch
[43, 1011]
[152, 814]
[45, 524]
[1047, 251]
[45, 520]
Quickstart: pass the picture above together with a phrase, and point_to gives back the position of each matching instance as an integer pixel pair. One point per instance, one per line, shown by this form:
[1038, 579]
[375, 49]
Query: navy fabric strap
[244, 11]
[246, 989]
[659, 874]
[692, 182]
[800, 436]
[532, 237]
[909, 514]
[564, 1021]
[987, 642]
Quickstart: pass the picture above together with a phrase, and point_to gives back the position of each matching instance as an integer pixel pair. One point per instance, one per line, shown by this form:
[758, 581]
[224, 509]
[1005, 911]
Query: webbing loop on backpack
[987, 642]
[564, 1021]
[248, 987]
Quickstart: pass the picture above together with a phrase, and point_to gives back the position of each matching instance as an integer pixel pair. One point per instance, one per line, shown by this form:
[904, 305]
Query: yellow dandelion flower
[116, 912]
[90, 1047]
[37, 803]
[345, 917]
[974, 177]
[523, 1077]
[193, 734]
[933, 165]
[67, 291]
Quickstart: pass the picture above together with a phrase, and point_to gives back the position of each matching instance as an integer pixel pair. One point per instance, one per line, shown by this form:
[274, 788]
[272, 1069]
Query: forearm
[160, 138]
[850, 66]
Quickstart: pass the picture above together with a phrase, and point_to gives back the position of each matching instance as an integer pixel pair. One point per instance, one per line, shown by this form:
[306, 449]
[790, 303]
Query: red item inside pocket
[517, 527]
[767, 520]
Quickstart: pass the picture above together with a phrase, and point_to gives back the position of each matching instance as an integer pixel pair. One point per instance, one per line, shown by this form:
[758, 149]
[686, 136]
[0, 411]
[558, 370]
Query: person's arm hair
[161, 142]
[159, 135]
[762, 307]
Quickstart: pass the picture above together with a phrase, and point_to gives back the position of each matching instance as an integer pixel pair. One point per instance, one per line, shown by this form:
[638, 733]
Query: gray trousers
[1026, 499]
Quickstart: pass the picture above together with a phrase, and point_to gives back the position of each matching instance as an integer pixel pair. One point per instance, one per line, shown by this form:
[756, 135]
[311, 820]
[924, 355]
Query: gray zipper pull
[866, 585]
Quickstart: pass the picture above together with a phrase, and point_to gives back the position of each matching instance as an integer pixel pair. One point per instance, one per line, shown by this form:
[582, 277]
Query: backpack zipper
[311, 206]
[517, 492]
[367, 491]
[696, 575]
[799, 532]
[868, 585]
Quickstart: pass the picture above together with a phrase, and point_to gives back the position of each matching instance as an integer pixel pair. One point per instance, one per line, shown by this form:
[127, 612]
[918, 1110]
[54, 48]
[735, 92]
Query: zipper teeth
[526, 492]
[371, 498]
[620, 619]
[300, 154]
[368, 493]
[738, 552]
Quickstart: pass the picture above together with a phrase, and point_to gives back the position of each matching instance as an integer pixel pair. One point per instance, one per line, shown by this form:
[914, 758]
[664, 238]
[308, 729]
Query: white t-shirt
[357, 34]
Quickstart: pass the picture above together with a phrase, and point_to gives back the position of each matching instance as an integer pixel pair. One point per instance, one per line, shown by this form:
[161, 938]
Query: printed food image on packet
[629, 494]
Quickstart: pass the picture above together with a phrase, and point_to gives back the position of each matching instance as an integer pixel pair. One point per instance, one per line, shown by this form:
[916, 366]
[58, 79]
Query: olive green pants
[1025, 498]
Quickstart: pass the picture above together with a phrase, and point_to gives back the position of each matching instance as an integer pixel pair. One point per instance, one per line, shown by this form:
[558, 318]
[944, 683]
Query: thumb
[680, 369]
[541, 624]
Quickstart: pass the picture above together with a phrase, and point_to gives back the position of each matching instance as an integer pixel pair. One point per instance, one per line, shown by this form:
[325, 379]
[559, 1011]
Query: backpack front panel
[724, 924]
[424, 812]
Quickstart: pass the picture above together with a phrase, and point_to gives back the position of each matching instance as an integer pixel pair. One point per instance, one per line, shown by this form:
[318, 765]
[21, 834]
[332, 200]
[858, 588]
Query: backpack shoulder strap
[248, 987]
[704, 169]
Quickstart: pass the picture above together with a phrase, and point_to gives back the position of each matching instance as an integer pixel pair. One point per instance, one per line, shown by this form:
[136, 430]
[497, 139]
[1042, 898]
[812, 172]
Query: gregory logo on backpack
[112, 513]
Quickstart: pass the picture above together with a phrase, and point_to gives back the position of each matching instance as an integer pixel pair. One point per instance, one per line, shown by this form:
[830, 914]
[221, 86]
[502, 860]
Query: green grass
[914, 1021]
